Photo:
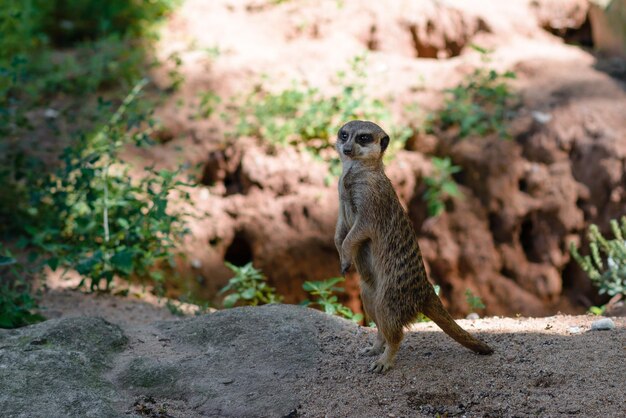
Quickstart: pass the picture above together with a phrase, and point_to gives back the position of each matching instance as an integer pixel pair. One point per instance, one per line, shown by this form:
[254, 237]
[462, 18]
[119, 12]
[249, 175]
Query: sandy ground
[540, 368]
[554, 366]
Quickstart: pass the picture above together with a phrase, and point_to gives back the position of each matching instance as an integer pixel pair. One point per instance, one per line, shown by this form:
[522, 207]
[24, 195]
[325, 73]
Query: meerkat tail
[434, 310]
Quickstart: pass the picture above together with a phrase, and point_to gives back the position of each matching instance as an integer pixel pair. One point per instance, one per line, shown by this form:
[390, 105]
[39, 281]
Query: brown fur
[374, 230]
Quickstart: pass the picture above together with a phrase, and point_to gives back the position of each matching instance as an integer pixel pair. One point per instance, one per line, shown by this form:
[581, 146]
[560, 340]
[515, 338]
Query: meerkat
[375, 233]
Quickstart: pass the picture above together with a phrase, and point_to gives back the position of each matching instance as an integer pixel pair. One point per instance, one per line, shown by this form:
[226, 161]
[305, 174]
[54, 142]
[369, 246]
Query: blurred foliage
[480, 105]
[323, 293]
[440, 185]
[304, 117]
[92, 216]
[17, 306]
[30, 24]
[85, 212]
[248, 287]
[109, 46]
[597, 310]
[474, 301]
[606, 265]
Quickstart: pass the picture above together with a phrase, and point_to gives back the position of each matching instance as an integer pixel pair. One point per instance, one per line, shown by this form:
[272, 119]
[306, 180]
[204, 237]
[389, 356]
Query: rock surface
[604, 324]
[56, 369]
[280, 360]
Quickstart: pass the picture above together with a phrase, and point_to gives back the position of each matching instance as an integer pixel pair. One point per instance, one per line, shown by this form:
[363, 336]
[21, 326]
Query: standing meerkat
[375, 233]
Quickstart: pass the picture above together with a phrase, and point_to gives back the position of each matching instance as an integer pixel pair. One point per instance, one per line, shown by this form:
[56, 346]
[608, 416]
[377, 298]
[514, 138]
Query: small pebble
[51, 114]
[603, 324]
[541, 117]
[573, 330]
[472, 315]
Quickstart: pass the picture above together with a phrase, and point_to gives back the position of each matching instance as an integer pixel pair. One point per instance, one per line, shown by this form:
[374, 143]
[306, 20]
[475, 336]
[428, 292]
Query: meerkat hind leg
[375, 349]
[386, 360]
[368, 292]
[393, 338]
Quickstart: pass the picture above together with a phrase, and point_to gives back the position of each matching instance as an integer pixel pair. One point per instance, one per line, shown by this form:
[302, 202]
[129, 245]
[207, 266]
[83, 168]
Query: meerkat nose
[347, 151]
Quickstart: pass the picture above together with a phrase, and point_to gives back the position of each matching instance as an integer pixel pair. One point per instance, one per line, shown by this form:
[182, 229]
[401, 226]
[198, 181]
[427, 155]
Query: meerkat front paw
[345, 267]
[381, 365]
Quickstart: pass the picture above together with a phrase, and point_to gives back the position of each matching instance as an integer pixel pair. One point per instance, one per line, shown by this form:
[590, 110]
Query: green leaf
[53, 263]
[86, 265]
[123, 261]
[357, 317]
[450, 188]
[7, 261]
[249, 293]
[230, 300]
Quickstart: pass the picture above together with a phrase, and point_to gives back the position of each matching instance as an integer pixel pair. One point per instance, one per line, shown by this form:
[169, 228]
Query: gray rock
[56, 369]
[472, 315]
[574, 330]
[604, 324]
[234, 362]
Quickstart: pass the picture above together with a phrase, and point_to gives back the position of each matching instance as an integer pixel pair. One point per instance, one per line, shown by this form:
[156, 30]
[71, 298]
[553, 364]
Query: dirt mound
[285, 360]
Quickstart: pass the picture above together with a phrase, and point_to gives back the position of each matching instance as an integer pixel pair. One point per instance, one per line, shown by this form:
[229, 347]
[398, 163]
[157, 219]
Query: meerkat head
[361, 140]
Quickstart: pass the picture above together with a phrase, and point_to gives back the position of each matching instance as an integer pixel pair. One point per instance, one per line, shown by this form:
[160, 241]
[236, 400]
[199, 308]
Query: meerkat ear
[384, 142]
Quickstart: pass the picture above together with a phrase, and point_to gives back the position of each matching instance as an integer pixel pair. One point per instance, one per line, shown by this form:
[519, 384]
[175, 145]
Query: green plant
[17, 306]
[92, 216]
[304, 117]
[208, 104]
[249, 287]
[176, 78]
[481, 104]
[174, 308]
[28, 24]
[597, 310]
[103, 63]
[474, 302]
[108, 49]
[610, 278]
[440, 185]
[324, 298]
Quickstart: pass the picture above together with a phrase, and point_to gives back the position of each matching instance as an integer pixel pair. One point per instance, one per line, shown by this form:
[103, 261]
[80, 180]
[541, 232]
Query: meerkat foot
[381, 365]
[371, 351]
[385, 362]
[375, 349]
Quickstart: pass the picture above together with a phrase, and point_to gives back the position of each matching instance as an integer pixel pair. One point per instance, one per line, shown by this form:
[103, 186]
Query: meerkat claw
[379, 366]
[345, 268]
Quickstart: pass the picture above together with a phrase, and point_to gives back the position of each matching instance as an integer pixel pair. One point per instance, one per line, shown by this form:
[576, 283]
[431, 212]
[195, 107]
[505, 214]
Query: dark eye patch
[343, 136]
[363, 139]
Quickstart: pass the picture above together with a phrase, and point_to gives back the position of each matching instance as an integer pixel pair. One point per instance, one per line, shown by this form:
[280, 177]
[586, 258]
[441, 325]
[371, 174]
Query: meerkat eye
[343, 136]
[364, 139]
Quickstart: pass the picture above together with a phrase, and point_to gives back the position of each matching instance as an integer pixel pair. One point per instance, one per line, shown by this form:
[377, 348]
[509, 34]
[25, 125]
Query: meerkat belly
[397, 264]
